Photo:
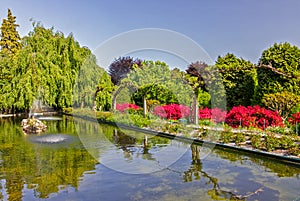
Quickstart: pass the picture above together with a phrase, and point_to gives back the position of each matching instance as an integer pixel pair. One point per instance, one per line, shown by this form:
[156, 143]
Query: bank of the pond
[290, 159]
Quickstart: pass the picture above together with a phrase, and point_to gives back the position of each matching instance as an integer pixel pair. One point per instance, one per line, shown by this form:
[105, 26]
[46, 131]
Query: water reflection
[110, 153]
[43, 169]
[126, 150]
[195, 172]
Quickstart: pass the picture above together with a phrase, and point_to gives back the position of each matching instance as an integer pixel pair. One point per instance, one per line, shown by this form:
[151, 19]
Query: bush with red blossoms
[172, 111]
[125, 106]
[255, 116]
[215, 114]
[295, 118]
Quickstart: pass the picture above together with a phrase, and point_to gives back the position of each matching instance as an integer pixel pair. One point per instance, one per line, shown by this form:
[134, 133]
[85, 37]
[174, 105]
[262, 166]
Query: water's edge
[284, 159]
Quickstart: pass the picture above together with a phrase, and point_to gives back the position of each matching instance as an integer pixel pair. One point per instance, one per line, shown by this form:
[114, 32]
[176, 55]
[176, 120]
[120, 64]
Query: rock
[33, 126]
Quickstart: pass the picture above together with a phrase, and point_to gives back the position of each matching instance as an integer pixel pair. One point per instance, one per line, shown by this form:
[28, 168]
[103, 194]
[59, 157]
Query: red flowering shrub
[295, 118]
[237, 115]
[255, 116]
[125, 106]
[172, 111]
[215, 114]
[204, 113]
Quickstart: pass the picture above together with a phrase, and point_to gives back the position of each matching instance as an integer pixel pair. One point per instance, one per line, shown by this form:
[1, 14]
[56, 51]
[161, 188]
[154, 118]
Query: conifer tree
[10, 38]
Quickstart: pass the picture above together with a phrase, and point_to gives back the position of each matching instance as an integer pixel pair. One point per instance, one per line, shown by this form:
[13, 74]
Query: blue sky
[242, 27]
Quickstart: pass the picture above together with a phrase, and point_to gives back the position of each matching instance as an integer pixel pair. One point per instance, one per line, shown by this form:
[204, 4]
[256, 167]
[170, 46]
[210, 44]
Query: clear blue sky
[242, 27]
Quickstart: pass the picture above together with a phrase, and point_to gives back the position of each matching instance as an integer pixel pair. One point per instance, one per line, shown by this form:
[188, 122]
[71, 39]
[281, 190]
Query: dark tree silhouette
[198, 70]
[121, 67]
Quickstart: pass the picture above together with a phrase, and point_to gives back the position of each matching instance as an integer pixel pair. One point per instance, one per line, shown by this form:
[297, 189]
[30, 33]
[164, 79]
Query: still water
[79, 160]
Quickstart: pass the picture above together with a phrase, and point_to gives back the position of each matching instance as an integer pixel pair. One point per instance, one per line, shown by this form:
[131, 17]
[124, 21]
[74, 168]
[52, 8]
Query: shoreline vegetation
[265, 143]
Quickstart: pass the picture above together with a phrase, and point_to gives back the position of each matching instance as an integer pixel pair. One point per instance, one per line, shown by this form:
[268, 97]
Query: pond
[81, 160]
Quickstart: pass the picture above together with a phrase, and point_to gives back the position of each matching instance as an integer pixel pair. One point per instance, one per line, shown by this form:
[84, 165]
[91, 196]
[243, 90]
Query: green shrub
[239, 138]
[271, 142]
[286, 142]
[281, 130]
[226, 136]
[139, 120]
[171, 128]
[256, 141]
[205, 122]
[68, 110]
[103, 115]
[294, 151]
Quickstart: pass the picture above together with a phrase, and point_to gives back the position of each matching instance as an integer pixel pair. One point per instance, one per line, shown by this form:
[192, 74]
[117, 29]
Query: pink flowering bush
[295, 118]
[172, 111]
[255, 116]
[125, 106]
[215, 114]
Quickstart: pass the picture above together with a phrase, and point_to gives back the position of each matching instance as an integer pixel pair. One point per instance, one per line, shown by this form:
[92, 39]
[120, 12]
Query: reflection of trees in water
[195, 172]
[281, 169]
[132, 146]
[45, 169]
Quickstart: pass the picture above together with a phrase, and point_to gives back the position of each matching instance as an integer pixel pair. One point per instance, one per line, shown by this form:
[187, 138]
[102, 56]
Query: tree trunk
[145, 106]
[114, 102]
[196, 110]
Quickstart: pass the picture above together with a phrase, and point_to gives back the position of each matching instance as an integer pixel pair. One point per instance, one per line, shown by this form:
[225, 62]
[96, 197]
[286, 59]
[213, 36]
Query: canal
[80, 160]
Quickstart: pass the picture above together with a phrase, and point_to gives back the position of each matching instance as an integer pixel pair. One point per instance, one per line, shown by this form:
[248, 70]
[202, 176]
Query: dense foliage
[279, 70]
[47, 68]
[282, 102]
[121, 67]
[238, 76]
[295, 118]
[215, 114]
[172, 111]
[157, 92]
[256, 116]
[154, 78]
[10, 42]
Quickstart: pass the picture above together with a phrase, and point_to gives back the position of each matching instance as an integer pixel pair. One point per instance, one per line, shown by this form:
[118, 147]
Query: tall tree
[205, 79]
[104, 93]
[278, 71]
[239, 79]
[10, 38]
[195, 76]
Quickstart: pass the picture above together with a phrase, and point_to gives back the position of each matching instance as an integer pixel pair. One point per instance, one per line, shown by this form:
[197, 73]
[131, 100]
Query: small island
[33, 126]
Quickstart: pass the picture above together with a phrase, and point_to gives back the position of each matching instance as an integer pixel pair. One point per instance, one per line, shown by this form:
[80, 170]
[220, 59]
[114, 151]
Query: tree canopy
[159, 73]
[239, 79]
[46, 68]
[121, 67]
[10, 39]
[279, 70]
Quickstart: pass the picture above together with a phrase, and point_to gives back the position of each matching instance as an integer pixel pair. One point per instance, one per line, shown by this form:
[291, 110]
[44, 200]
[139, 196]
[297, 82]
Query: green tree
[278, 70]
[239, 79]
[47, 68]
[6, 77]
[282, 102]
[104, 93]
[157, 92]
[157, 73]
[10, 38]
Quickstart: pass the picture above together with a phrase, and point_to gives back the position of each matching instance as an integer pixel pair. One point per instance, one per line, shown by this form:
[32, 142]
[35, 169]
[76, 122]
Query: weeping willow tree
[46, 68]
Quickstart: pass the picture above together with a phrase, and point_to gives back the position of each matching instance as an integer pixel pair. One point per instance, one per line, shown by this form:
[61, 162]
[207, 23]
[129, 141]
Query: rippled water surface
[81, 160]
